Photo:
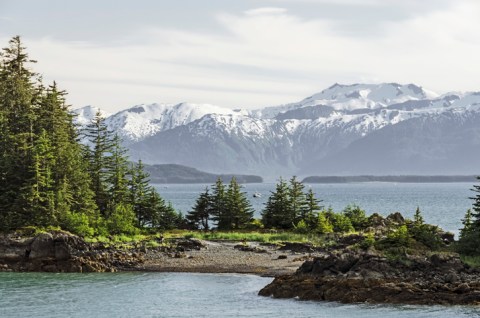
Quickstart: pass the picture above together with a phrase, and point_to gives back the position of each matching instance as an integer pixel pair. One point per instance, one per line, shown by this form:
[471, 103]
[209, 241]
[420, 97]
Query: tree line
[289, 207]
[49, 178]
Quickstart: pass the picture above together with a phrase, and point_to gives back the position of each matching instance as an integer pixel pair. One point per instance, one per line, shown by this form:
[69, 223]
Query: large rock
[42, 246]
[59, 251]
[351, 277]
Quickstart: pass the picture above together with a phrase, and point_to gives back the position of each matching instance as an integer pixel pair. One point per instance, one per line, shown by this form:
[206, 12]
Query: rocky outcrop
[59, 251]
[351, 277]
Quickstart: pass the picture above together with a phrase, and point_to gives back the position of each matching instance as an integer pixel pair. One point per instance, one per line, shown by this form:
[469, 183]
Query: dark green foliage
[48, 179]
[425, 233]
[289, 205]
[469, 242]
[341, 223]
[199, 216]
[228, 207]
[277, 213]
[100, 161]
[357, 217]
[311, 210]
[298, 209]
[238, 211]
[467, 224]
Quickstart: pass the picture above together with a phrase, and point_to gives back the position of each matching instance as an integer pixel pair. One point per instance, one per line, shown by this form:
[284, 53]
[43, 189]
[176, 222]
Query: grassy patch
[473, 261]
[252, 236]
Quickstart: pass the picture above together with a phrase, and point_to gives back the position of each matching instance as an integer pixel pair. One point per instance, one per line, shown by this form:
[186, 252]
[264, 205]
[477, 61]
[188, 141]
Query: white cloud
[266, 56]
[266, 10]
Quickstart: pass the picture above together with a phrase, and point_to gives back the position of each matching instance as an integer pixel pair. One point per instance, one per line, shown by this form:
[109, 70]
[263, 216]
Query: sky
[114, 54]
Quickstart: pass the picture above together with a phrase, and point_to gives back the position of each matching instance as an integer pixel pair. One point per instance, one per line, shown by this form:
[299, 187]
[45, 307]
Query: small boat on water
[257, 195]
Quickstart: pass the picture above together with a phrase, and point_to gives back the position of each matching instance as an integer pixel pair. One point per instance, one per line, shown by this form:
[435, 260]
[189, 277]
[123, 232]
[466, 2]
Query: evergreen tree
[201, 212]
[219, 203]
[238, 211]
[19, 91]
[117, 177]
[100, 161]
[467, 224]
[311, 210]
[357, 216]
[418, 218]
[70, 181]
[298, 202]
[277, 212]
[139, 191]
[476, 206]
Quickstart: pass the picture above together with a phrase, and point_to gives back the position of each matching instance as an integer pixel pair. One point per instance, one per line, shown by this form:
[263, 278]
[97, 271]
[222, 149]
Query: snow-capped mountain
[141, 121]
[86, 114]
[323, 134]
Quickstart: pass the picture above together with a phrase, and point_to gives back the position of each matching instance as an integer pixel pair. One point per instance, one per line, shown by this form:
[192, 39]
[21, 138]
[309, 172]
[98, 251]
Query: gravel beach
[227, 257]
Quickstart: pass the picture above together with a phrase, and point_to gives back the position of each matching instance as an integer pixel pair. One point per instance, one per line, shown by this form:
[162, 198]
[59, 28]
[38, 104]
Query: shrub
[341, 223]
[469, 243]
[301, 227]
[324, 225]
[122, 220]
[78, 223]
[357, 216]
[368, 241]
[427, 235]
[255, 224]
[399, 237]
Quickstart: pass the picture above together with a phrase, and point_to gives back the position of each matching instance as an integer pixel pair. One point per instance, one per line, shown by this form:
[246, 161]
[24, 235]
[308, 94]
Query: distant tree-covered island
[399, 179]
[175, 173]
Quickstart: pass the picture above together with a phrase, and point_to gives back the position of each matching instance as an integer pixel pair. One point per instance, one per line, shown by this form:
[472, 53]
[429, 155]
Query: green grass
[253, 236]
[473, 261]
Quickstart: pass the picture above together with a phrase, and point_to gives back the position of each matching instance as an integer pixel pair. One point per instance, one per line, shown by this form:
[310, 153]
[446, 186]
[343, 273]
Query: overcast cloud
[243, 53]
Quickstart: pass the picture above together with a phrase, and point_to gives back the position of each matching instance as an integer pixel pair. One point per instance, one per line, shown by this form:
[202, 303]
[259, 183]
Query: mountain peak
[370, 96]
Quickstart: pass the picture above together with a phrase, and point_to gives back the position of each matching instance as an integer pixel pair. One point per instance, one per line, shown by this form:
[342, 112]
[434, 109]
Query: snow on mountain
[354, 97]
[85, 115]
[141, 121]
[299, 137]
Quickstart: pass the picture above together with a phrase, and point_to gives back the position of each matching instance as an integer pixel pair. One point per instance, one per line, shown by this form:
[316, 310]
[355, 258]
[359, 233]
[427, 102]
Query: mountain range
[374, 129]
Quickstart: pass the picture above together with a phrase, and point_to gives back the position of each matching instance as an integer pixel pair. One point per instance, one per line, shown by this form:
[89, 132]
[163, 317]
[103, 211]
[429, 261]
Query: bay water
[442, 204]
[119, 295]
[231, 295]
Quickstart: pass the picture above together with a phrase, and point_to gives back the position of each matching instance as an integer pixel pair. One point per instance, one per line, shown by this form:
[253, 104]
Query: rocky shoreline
[59, 251]
[63, 252]
[339, 273]
[359, 277]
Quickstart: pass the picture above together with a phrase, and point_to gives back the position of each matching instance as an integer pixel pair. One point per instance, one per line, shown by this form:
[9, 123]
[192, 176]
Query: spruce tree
[311, 210]
[19, 91]
[118, 178]
[476, 206]
[298, 201]
[199, 216]
[239, 211]
[277, 212]
[139, 191]
[219, 203]
[467, 224]
[100, 161]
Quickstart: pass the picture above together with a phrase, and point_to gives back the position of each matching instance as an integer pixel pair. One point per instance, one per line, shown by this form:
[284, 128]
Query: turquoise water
[229, 295]
[443, 204]
[175, 295]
